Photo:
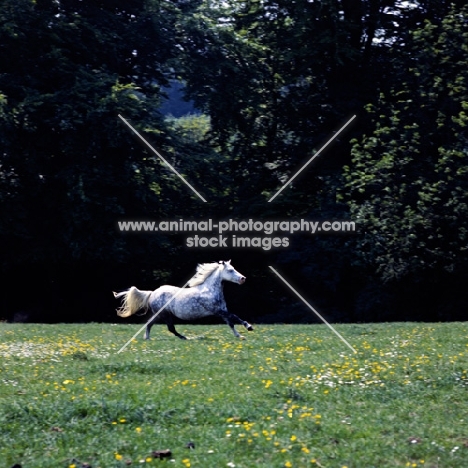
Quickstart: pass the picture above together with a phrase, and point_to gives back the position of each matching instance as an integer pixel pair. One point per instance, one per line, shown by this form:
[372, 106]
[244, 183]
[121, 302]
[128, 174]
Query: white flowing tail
[133, 301]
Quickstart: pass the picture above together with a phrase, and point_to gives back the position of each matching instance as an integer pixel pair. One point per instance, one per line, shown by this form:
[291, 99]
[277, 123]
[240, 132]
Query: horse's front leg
[232, 319]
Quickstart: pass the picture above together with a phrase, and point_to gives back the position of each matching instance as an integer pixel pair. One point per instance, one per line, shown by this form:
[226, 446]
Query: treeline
[272, 81]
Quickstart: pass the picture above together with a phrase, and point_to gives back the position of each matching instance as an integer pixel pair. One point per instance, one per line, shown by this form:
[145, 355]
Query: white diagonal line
[311, 308]
[155, 315]
[311, 159]
[172, 168]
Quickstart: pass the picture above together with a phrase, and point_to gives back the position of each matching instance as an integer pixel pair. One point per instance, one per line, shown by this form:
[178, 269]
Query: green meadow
[286, 396]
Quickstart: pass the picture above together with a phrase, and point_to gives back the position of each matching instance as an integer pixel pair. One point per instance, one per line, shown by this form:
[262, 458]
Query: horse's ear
[228, 262]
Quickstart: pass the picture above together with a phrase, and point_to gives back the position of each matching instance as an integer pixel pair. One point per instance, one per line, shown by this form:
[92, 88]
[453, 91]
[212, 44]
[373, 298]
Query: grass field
[287, 396]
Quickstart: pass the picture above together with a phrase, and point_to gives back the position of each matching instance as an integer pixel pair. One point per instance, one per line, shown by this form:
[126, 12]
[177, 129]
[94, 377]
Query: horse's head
[229, 273]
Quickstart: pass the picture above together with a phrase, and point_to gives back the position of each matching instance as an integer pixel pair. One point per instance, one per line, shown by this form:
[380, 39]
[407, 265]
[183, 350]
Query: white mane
[204, 270]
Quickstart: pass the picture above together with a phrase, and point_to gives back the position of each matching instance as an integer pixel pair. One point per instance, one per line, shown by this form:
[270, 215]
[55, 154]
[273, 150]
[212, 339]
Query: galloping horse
[203, 297]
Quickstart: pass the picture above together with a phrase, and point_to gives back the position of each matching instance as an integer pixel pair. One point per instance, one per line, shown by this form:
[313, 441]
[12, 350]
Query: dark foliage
[273, 81]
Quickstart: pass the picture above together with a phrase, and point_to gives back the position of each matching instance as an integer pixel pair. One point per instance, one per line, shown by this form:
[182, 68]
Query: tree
[278, 77]
[69, 167]
[407, 185]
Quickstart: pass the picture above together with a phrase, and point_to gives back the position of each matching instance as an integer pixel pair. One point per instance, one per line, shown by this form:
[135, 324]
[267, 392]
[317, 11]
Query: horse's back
[161, 296]
[189, 303]
[197, 302]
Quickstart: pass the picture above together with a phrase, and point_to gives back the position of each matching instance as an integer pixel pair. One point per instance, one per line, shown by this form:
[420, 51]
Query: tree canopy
[408, 180]
[271, 81]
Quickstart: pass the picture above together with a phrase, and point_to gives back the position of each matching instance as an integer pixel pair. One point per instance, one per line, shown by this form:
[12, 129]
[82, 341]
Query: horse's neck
[212, 291]
[214, 282]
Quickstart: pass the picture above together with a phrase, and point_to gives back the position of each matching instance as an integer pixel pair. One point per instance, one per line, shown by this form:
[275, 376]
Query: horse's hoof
[250, 328]
[241, 337]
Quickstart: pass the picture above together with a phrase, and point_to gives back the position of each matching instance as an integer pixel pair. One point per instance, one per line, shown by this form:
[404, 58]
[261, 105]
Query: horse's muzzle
[242, 280]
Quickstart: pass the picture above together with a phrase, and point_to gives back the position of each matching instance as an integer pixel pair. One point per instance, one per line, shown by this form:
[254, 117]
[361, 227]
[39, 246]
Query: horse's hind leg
[158, 318]
[171, 328]
[148, 328]
[155, 319]
[163, 317]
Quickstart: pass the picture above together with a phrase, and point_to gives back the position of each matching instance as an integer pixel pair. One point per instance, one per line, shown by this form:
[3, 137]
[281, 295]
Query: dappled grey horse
[203, 297]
